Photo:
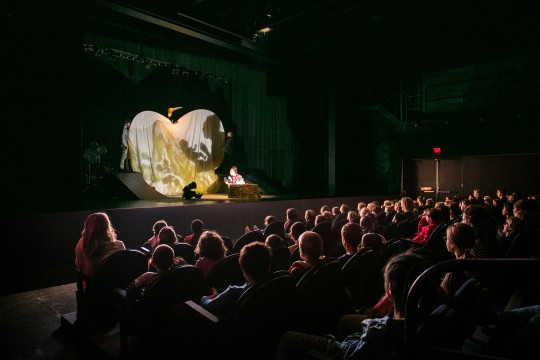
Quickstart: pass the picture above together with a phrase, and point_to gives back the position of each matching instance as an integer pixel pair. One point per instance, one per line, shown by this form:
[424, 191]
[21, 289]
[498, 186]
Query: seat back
[226, 272]
[324, 229]
[247, 238]
[262, 314]
[281, 259]
[321, 299]
[374, 288]
[275, 227]
[310, 224]
[95, 305]
[436, 241]
[180, 284]
[390, 230]
[228, 243]
[295, 255]
[186, 251]
[356, 273]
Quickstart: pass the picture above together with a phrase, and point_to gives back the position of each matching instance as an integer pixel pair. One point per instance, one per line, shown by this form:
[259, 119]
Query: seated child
[311, 249]
[255, 261]
[162, 259]
[211, 250]
[380, 338]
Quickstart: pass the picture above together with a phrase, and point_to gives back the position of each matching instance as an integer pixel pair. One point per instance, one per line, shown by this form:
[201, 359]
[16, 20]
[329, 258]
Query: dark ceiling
[350, 36]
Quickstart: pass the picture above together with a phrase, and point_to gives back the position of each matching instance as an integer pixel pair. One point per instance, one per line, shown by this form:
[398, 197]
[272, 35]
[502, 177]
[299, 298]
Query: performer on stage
[234, 177]
[124, 159]
[189, 191]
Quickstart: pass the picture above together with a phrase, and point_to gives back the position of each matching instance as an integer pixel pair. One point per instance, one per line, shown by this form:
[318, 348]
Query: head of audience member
[389, 209]
[291, 214]
[455, 211]
[501, 193]
[397, 206]
[375, 209]
[399, 274]
[463, 204]
[255, 261]
[211, 246]
[319, 219]
[274, 241]
[507, 209]
[328, 216]
[197, 226]
[477, 194]
[97, 232]
[351, 235]
[373, 241]
[527, 218]
[325, 208]
[430, 203]
[514, 225]
[364, 211]
[478, 217]
[367, 223]
[387, 203]
[268, 220]
[445, 213]
[311, 247]
[511, 198]
[526, 205]
[335, 211]
[360, 206]
[162, 258]
[344, 208]
[309, 214]
[420, 200]
[167, 236]
[158, 225]
[460, 237]
[351, 215]
[434, 215]
[297, 229]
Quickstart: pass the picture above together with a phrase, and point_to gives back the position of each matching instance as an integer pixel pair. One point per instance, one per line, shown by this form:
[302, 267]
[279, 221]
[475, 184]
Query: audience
[255, 261]
[274, 241]
[162, 260]
[197, 227]
[311, 250]
[297, 229]
[151, 243]
[210, 250]
[97, 242]
[351, 236]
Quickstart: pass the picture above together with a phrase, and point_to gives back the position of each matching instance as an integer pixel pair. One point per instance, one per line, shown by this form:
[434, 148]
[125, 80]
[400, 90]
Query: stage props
[171, 155]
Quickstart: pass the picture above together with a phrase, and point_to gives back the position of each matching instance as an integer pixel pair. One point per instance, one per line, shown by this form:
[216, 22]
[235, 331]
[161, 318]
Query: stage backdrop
[170, 154]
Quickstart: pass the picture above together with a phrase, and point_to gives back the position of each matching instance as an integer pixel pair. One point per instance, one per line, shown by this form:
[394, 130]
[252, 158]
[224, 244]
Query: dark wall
[41, 106]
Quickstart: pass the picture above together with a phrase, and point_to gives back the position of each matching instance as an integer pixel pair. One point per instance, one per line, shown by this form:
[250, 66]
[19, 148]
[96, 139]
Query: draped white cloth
[171, 155]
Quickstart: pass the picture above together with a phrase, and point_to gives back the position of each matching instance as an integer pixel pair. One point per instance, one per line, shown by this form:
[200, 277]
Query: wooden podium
[244, 191]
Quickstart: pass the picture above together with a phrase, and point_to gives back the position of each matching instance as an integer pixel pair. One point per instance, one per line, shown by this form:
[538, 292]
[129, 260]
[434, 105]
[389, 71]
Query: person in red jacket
[429, 221]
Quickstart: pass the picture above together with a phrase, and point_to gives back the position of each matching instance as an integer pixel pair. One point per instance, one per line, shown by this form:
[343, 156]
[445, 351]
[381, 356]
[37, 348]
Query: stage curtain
[170, 154]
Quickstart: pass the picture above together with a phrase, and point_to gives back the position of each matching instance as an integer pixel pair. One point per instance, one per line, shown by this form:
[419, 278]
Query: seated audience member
[420, 204]
[364, 211]
[328, 216]
[274, 241]
[167, 236]
[309, 216]
[431, 218]
[367, 223]
[267, 220]
[485, 230]
[430, 203]
[460, 239]
[162, 260]
[210, 249]
[197, 227]
[380, 338]
[351, 216]
[311, 252]
[98, 241]
[389, 212]
[255, 261]
[151, 243]
[189, 191]
[297, 229]
[455, 212]
[291, 217]
[445, 213]
[325, 208]
[320, 219]
[501, 194]
[372, 241]
[512, 227]
[360, 206]
[351, 236]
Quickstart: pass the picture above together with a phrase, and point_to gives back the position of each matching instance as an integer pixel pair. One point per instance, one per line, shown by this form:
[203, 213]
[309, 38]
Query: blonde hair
[97, 232]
